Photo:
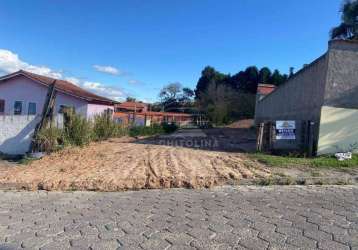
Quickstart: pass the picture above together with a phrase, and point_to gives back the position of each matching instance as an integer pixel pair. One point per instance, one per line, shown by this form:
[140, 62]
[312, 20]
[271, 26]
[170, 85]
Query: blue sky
[135, 47]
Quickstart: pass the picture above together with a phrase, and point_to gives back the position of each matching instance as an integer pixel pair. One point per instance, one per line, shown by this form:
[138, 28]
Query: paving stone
[273, 237]
[317, 235]
[219, 218]
[301, 241]
[105, 245]
[254, 243]
[227, 237]
[9, 246]
[275, 246]
[351, 239]
[56, 245]
[328, 245]
[155, 244]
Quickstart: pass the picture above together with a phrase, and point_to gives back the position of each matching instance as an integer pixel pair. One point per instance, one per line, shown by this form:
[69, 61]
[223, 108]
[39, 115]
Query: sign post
[285, 130]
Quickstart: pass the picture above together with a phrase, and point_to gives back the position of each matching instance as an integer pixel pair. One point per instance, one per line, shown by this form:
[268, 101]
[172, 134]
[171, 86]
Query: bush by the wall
[169, 128]
[77, 129]
[49, 139]
[155, 129]
[104, 127]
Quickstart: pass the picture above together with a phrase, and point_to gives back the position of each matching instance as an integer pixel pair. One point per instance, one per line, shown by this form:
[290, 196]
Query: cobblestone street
[220, 218]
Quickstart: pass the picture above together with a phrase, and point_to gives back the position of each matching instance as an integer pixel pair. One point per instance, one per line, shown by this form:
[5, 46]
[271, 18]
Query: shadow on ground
[216, 139]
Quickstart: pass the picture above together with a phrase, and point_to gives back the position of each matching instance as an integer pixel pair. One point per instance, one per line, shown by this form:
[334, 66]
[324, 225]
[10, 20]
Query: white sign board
[285, 130]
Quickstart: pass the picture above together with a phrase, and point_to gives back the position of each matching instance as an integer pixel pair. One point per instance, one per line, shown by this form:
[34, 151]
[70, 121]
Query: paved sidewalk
[221, 218]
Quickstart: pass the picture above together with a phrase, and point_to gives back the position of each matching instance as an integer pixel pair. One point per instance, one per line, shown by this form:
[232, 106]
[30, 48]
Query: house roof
[62, 86]
[265, 89]
[131, 105]
[152, 113]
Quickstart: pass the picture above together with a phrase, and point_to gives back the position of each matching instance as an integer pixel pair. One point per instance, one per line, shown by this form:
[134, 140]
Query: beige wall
[338, 130]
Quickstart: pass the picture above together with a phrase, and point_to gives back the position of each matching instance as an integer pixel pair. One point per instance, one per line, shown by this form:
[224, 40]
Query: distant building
[126, 107]
[264, 90]
[139, 114]
[325, 93]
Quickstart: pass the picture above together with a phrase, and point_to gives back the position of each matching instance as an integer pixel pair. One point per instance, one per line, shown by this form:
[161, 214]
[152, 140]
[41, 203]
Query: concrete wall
[332, 80]
[300, 98]
[17, 130]
[342, 76]
[338, 130]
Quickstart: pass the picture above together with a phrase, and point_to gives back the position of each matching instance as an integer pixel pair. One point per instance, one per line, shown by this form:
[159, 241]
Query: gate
[304, 144]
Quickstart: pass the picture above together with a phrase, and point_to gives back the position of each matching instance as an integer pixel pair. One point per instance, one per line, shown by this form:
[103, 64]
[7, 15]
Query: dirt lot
[188, 158]
[121, 164]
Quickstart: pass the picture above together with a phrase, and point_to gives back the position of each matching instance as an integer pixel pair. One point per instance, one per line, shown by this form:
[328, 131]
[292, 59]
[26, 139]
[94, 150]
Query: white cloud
[133, 81]
[100, 89]
[73, 80]
[108, 70]
[10, 62]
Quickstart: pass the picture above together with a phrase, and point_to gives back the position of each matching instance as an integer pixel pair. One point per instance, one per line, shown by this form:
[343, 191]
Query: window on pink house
[2, 107]
[18, 108]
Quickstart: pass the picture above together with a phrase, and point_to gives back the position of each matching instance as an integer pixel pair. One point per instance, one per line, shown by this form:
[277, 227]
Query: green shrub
[169, 128]
[145, 131]
[155, 129]
[122, 130]
[49, 139]
[104, 127]
[77, 129]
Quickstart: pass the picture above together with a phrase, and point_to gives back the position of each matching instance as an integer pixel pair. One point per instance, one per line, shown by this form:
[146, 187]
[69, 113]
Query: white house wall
[16, 132]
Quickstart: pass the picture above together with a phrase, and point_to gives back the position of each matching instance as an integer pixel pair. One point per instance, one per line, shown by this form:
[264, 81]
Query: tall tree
[264, 75]
[130, 99]
[187, 95]
[277, 78]
[252, 79]
[292, 71]
[209, 75]
[170, 92]
[174, 97]
[224, 98]
[348, 29]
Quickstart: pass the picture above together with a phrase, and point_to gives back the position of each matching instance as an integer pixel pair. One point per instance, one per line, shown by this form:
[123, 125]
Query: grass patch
[318, 162]
[26, 160]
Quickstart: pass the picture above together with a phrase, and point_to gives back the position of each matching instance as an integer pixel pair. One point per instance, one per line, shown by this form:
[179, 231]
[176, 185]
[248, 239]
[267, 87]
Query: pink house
[24, 93]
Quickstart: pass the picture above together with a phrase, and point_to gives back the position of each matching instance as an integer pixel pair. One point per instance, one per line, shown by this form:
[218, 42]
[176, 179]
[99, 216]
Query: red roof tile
[132, 105]
[265, 89]
[63, 86]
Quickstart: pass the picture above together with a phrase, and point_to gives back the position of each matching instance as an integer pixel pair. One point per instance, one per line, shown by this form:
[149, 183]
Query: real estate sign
[285, 130]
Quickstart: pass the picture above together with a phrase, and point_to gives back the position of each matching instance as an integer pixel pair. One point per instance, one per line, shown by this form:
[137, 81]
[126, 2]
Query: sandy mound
[248, 123]
[120, 165]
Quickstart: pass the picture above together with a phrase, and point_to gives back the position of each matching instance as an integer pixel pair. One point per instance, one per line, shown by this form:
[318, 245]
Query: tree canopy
[174, 97]
[348, 29]
[245, 80]
[225, 98]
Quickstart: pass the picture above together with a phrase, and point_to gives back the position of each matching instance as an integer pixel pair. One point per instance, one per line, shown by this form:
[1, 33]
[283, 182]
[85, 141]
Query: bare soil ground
[122, 164]
[317, 175]
[188, 158]
[247, 123]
